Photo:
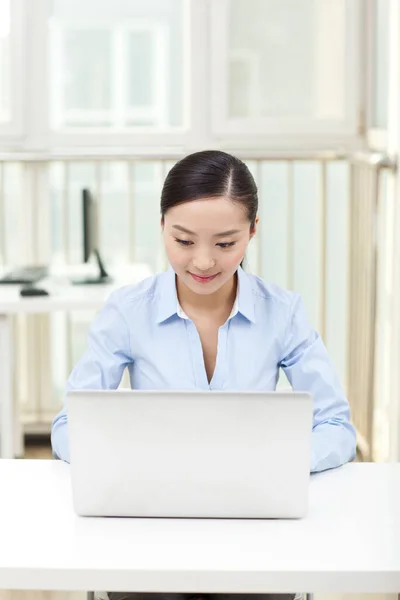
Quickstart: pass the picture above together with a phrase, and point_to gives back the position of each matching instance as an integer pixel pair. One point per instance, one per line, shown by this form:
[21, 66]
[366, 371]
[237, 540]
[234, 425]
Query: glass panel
[4, 60]
[252, 261]
[13, 207]
[337, 260]
[383, 393]
[57, 191]
[141, 61]
[380, 64]
[117, 65]
[67, 181]
[148, 179]
[290, 232]
[282, 62]
[146, 71]
[114, 214]
[307, 237]
[87, 60]
[128, 198]
[274, 230]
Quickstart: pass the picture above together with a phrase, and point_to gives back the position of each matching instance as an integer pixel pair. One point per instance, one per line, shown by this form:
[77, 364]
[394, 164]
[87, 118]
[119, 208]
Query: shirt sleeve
[309, 369]
[101, 367]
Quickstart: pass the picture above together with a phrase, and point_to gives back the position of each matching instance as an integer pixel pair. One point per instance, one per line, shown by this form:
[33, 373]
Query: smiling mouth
[203, 278]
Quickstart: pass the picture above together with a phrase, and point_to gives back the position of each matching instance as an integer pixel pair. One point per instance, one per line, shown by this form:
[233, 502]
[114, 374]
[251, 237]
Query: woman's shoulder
[138, 294]
[266, 291]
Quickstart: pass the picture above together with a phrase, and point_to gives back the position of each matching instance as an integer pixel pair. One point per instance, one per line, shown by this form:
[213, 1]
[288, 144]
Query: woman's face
[205, 241]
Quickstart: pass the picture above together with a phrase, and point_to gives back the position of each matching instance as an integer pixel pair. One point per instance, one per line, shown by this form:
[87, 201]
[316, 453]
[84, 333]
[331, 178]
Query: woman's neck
[219, 303]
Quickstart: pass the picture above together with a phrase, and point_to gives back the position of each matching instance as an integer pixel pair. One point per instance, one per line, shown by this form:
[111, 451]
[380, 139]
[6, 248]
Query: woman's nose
[203, 262]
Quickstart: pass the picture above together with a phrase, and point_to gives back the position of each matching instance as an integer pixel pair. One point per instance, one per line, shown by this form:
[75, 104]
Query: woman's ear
[253, 230]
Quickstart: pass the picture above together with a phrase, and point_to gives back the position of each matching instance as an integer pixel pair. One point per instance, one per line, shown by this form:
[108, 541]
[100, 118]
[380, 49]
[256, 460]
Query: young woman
[208, 324]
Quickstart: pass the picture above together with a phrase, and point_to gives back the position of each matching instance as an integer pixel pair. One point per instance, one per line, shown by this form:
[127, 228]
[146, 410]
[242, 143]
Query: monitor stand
[101, 278]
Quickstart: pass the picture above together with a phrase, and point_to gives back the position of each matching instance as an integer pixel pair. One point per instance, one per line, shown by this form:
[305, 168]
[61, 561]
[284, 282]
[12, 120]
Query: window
[117, 66]
[12, 58]
[5, 100]
[378, 67]
[379, 79]
[290, 70]
[181, 75]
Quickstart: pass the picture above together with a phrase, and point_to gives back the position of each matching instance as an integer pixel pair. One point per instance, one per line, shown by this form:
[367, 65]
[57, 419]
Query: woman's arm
[309, 369]
[101, 367]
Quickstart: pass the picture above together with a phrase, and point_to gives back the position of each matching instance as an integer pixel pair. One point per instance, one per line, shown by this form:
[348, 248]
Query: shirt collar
[181, 313]
[245, 296]
[169, 306]
[167, 296]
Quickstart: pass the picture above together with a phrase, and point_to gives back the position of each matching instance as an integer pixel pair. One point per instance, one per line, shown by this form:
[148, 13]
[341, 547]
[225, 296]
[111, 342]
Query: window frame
[119, 34]
[377, 137]
[284, 132]
[12, 129]
[202, 128]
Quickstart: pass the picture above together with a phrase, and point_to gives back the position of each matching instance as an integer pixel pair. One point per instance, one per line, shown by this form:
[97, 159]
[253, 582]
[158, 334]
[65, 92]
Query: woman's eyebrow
[222, 234]
[184, 229]
[230, 232]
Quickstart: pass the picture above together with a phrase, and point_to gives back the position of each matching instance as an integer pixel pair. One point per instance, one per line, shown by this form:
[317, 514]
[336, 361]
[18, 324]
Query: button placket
[196, 351]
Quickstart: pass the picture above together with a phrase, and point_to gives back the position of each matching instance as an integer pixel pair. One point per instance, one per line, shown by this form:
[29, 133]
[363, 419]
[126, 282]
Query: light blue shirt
[143, 328]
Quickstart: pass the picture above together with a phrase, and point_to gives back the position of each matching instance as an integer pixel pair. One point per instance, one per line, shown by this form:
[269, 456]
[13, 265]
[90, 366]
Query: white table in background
[64, 296]
[348, 543]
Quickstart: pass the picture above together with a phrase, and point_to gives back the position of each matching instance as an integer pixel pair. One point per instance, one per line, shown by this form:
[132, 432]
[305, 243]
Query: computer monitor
[90, 239]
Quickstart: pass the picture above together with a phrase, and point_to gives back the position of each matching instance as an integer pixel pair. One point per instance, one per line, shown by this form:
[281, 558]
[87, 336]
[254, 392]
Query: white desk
[63, 296]
[350, 542]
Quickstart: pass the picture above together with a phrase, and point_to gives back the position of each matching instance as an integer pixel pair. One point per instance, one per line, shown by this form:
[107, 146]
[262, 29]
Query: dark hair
[210, 174]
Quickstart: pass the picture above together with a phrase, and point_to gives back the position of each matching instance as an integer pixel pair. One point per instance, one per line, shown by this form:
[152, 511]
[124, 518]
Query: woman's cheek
[237, 256]
[174, 253]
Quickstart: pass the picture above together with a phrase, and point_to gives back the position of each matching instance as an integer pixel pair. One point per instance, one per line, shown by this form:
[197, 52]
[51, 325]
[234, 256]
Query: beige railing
[368, 228]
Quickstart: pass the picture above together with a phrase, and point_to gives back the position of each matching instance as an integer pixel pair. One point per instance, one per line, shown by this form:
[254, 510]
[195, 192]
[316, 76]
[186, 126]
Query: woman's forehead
[209, 213]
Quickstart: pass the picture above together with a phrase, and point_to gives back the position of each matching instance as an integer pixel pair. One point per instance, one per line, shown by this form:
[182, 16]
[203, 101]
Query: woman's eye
[226, 244]
[183, 242]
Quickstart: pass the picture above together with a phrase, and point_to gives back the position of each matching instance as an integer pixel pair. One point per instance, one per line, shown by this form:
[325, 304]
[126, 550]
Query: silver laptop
[190, 454]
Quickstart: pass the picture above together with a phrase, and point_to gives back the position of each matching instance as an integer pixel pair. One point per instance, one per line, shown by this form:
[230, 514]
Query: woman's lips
[203, 278]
